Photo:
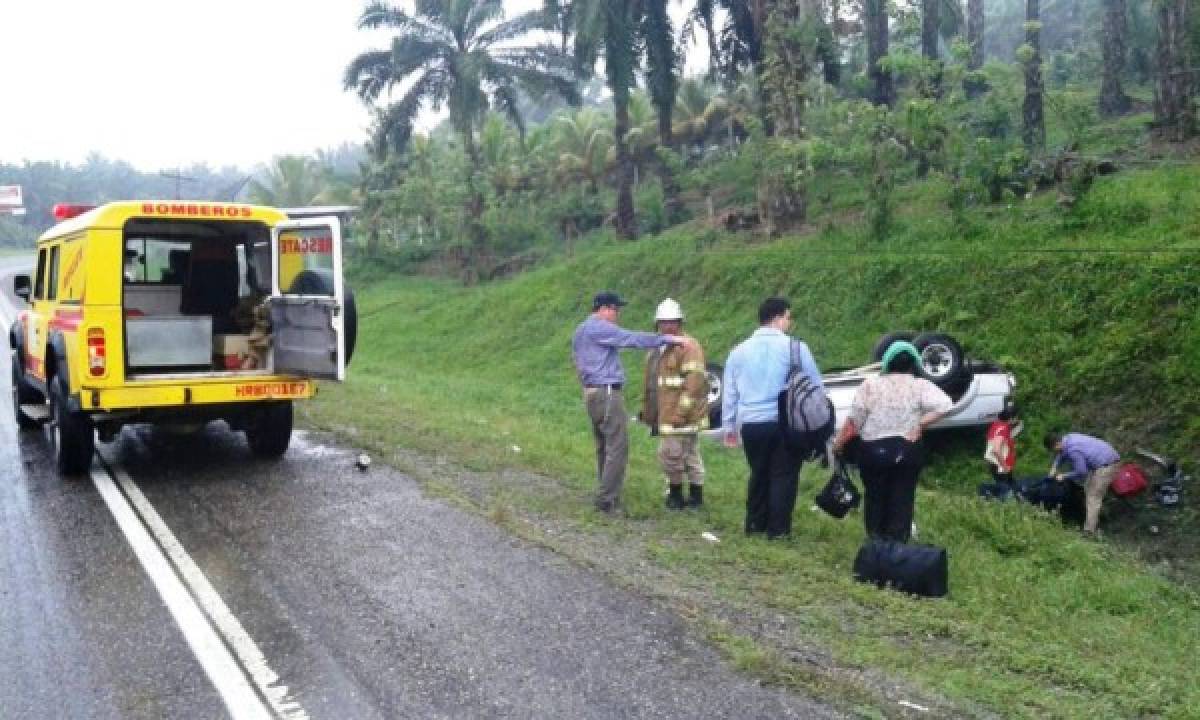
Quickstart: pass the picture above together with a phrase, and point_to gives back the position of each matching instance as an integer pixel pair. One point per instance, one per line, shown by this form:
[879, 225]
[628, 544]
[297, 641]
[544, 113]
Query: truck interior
[193, 298]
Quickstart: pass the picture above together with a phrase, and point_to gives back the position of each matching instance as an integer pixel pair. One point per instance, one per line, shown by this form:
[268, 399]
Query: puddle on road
[310, 444]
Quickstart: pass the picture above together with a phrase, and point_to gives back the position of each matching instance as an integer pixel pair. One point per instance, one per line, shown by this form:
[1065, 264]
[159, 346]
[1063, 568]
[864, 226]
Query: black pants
[889, 468]
[774, 469]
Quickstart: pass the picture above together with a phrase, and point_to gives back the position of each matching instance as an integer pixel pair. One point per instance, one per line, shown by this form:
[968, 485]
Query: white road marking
[191, 599]
[235, 636]
[239, 696]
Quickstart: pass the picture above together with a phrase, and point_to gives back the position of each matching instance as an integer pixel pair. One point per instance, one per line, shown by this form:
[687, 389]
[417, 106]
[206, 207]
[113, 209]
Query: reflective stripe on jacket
[675, 400]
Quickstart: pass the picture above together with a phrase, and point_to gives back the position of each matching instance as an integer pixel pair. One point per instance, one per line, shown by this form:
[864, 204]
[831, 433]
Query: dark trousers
[889, 468]
[774, 469]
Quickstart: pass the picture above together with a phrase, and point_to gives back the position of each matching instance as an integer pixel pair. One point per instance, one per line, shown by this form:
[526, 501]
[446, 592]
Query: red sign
[290, 244]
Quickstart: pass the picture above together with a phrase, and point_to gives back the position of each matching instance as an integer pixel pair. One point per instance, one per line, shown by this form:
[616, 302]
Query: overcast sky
[167, 84]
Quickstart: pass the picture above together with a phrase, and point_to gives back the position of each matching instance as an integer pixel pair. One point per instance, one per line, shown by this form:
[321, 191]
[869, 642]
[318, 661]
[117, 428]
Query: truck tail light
[97, 353]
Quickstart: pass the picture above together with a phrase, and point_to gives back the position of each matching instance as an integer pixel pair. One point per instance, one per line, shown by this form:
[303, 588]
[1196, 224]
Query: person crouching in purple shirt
[1093, 465]
[594, 349]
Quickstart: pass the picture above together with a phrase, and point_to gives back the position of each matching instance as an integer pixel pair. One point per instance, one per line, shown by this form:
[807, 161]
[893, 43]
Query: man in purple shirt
[594, 349]
[1093, 464]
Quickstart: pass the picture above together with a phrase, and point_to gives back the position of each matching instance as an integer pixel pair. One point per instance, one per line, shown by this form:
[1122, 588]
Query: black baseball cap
[605, 299]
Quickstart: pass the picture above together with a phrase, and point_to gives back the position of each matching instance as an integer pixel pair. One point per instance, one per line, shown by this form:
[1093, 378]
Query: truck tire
[885, 341]
[271, 432]
[320, 282]
[72, 437]
[22, 394]
[942, 359]
[715, 374]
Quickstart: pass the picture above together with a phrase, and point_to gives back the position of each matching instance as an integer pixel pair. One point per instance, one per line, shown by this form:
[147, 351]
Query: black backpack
[805, 411]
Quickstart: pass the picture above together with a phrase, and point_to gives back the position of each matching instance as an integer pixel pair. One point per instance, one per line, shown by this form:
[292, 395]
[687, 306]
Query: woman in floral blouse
[890, 413]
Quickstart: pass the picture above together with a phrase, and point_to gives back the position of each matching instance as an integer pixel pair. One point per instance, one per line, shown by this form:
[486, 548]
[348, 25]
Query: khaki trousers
[606, 409]
[1094, 490]
[679, 456]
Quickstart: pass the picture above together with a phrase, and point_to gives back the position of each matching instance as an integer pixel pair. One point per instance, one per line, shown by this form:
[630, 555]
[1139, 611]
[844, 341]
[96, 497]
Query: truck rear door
[307, 317]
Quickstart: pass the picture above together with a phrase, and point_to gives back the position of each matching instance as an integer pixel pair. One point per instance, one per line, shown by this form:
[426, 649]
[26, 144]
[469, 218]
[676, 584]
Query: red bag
[1129, 481]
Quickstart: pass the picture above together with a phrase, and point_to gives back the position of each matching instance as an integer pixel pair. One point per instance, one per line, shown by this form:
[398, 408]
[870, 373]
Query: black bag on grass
[1045, 492]
[839, 495]
[916, 569]
[995, 491]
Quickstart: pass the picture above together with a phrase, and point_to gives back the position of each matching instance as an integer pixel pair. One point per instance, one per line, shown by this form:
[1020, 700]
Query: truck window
[39, 287]
[156, 261]
[52, 275]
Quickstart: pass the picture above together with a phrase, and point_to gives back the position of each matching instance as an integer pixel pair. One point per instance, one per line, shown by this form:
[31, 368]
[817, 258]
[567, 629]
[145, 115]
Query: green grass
[1094, 310]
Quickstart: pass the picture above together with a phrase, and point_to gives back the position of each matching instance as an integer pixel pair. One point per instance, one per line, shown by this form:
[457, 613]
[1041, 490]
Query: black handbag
[916, 569]
[839, 496]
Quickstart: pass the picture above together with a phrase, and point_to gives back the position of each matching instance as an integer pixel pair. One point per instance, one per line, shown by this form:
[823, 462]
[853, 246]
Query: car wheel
[941, 358]
[885, 341]
[320, 282]
[22, 394]
[271, 432]
[72, 437]
[715, 374]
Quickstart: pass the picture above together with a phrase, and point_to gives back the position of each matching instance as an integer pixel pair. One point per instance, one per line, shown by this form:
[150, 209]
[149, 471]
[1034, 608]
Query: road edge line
[231, 683]
[247, 652]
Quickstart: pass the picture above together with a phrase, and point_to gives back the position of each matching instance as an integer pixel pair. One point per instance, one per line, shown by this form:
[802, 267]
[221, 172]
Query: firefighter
[675, 406]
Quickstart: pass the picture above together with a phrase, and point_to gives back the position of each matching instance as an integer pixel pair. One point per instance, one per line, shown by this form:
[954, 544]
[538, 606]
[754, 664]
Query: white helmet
[668, 310]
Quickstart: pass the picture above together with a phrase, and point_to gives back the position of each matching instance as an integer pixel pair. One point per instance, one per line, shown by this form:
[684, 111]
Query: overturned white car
[979, 389]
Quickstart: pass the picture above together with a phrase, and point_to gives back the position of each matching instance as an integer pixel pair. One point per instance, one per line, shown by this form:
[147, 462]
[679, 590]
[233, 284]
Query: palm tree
[975, 31]
[1113, 100]
[663, 63]
[875, 18]
[583, 140]
[1032, 113]
[289, 181]
[458, 54]
[608, 29]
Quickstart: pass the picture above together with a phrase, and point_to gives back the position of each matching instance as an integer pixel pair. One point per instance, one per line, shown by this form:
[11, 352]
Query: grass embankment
[1094, 310]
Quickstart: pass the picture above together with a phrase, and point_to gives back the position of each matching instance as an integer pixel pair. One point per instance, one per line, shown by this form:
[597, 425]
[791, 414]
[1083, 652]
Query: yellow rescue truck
[178, 313]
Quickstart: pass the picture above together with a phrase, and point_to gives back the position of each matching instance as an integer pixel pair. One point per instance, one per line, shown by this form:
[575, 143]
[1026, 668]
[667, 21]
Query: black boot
[695, 496]
[675, 498]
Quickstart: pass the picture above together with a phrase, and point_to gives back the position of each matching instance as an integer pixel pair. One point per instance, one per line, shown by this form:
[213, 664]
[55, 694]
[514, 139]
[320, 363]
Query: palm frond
[513, 28]
[369, 74]
[479, 14]
[381, 14]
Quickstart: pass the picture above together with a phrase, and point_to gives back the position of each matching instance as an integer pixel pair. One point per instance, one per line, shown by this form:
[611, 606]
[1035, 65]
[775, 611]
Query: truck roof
[114, 215]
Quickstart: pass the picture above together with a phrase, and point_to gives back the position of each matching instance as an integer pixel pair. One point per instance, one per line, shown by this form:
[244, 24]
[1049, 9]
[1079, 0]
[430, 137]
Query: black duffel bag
[917, 569]
[839, 495]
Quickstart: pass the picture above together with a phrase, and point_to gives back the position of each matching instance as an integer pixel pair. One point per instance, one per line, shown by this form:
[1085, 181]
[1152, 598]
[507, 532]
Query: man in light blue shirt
[755, 373]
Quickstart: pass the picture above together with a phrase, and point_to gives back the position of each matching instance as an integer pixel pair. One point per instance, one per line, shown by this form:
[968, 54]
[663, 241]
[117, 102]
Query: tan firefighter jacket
[675, 401]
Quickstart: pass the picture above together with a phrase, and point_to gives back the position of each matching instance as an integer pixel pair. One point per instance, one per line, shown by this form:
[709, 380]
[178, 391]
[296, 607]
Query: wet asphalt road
[369, 599]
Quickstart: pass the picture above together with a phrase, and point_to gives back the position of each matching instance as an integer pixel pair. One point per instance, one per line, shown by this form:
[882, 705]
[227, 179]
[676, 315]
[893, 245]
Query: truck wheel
[22, 394]
[71, 433]
[885, 341]
[271, 432]
[715, 374]
[941, 358]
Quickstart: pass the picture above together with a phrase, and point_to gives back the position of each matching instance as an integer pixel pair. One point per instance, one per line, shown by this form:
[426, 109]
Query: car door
[307, 311]
[38, 320]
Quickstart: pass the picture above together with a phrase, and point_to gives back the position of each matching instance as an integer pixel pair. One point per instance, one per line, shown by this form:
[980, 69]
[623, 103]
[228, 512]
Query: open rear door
[306, 298]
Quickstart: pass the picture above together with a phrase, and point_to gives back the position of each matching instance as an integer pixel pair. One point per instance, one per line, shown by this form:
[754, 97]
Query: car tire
[942, 359]
[885, 341]
[22, 394]
[320, 282]
[715, 374]
[271, 432]
[72, 436]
